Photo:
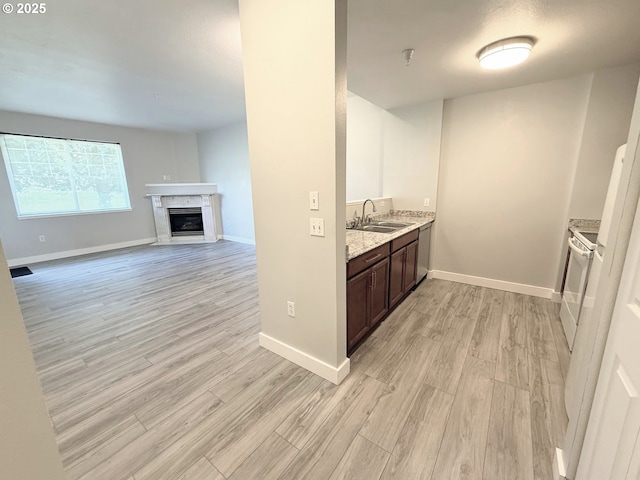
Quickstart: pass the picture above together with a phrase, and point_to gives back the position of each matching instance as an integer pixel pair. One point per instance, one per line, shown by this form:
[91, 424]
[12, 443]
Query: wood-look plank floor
[151, 370]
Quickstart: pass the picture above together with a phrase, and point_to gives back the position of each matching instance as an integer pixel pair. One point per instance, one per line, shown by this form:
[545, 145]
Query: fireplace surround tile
[203, 196]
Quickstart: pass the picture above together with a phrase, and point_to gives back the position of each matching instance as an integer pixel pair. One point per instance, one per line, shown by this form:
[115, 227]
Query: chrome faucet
[364, 205]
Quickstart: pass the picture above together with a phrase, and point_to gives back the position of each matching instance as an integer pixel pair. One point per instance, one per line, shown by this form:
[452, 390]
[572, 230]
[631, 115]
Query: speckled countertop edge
[359, 242]
[584, 225]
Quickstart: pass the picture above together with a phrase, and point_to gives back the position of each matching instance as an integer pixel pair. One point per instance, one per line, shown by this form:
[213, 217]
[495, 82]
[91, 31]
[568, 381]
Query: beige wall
[394, 153]
[412, 155]
[606, 127]
[364, 148]
[27, 445]
[507, 164]
[147, 154]
[294, 56]
[224, 159]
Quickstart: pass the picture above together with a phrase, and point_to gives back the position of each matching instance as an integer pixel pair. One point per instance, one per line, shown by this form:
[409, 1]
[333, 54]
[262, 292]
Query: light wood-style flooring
[151, 369]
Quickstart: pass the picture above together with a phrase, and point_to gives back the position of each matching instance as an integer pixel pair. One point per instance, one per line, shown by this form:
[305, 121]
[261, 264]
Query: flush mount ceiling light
[506, 52]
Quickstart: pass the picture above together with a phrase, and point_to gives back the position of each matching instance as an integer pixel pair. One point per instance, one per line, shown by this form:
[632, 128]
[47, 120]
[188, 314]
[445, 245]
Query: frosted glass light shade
[505, 53]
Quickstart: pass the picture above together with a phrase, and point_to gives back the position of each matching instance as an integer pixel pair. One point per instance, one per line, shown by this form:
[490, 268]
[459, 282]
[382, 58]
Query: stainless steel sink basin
[381, 226]
[376, 228]
[391, 224]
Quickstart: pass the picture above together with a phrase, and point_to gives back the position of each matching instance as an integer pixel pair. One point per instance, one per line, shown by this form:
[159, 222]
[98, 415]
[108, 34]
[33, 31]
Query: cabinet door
[358, 294]
[396, 288]
[411, 266]
[379, 291]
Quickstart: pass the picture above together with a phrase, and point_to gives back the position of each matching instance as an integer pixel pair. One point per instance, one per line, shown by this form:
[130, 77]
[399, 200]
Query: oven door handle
[577, 251]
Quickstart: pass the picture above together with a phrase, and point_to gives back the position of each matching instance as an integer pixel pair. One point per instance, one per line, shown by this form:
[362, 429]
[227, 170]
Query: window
[52, 176]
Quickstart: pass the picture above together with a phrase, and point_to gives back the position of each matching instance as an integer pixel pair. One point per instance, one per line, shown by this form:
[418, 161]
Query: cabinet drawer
[406, 239]
[366, 260]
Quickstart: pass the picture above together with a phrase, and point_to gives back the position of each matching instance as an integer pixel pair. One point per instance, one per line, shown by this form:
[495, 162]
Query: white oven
[581, 246]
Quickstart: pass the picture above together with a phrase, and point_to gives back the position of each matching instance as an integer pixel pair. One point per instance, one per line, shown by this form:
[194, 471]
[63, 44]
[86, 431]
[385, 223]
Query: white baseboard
[18, 262]
[232, 238]
[306, 361]
[559, 471]
[496, 284]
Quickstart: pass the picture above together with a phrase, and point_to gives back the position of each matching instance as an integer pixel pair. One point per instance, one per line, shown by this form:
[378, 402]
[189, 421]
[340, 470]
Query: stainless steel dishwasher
[424, 243]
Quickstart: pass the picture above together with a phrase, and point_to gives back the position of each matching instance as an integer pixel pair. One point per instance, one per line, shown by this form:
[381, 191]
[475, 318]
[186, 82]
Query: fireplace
[185, 212]
[186, 221]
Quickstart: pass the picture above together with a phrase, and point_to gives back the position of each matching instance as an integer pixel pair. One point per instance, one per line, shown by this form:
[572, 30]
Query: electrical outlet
[42, 238]
[166, 177]
[316, 227]
[314, 201]
[426, 202]
[382, 203]
[291, 309]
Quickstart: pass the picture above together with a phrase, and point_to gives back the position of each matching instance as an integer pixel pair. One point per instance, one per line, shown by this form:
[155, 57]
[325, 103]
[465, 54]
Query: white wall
[364, 148]
[606, 127]
[147, 155]
[507, 165]
[393, 153]
[296, 118]
[224, 159]
[412, 155]
[28, 447]
[383, 206]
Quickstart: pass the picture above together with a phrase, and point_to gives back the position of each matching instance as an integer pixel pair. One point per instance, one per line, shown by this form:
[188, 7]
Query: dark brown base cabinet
[376, 282]
[404, 266]
[367, 300]
[367, 292]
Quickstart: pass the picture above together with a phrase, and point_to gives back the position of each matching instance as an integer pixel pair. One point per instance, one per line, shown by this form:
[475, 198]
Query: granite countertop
[584, 225]
[359, 242]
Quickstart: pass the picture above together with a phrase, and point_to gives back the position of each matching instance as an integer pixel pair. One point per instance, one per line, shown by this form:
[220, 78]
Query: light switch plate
[314, 201]
[316, 227]
[291, 309]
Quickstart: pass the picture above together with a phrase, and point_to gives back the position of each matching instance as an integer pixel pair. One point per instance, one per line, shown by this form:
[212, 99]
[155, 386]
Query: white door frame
[610, 447]
[567, 459]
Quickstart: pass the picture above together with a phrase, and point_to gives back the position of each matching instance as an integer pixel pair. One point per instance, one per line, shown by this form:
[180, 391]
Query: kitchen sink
[381, 226]
[377, 228]
[390, 224]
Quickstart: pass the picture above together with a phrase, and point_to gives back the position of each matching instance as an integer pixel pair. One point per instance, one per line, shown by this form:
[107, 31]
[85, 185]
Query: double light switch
[316, 225]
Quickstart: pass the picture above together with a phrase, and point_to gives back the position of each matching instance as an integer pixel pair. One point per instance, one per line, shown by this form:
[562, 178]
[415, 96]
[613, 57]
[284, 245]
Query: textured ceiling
[573, 37]
[177, 65]
[106, 61]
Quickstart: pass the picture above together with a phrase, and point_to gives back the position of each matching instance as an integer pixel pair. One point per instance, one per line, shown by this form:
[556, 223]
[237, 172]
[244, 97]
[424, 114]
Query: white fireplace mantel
[185, 195]
[181, 188]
